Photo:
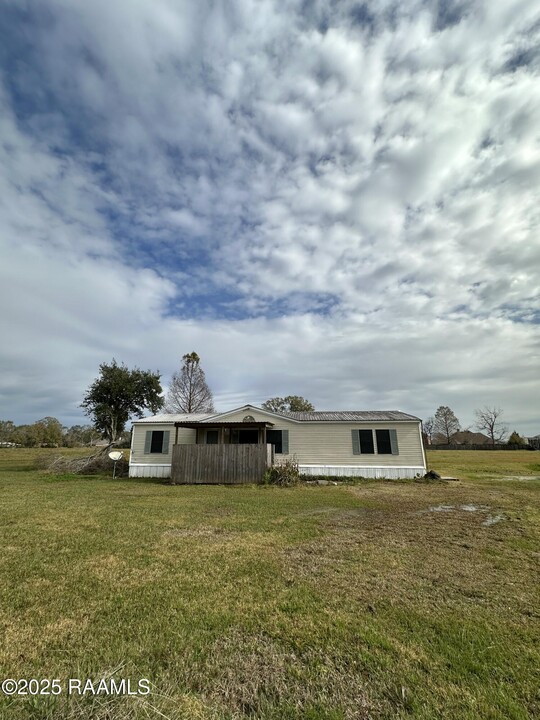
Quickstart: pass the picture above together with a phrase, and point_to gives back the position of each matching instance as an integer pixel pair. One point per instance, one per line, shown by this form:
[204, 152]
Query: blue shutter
[394, 442]
[148, 442]
[285, 442]
[165, 448]
[355, 442]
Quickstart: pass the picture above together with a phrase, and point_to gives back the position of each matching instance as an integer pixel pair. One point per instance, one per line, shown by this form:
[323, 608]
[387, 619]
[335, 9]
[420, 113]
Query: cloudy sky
[332, 199]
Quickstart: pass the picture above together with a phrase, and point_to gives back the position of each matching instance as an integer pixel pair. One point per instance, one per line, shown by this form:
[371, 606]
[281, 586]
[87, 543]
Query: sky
[333, 200]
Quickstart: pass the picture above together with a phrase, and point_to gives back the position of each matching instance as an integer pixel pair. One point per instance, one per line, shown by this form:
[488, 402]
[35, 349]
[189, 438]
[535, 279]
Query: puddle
[474, 508]
[490, 520]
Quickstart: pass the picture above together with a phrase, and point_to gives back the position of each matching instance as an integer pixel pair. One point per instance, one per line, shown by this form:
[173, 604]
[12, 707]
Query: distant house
[467, 437]
[534, 442]
[333, 443]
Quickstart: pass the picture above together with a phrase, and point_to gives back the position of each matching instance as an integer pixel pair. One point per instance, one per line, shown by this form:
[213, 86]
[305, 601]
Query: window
[279, 439]
[212, 437]
[366, 442]
[156, 442]
[363, 442]
[384, 446]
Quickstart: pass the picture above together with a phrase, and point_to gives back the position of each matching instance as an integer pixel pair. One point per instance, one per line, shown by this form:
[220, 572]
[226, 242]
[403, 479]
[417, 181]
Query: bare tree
[488, 419]
[428, 427]
[446, 423]
[189, 391]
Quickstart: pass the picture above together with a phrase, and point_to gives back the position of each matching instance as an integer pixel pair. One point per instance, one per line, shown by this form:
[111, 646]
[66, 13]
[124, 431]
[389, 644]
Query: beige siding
[330, 443]
[311, 443]
[185, 436]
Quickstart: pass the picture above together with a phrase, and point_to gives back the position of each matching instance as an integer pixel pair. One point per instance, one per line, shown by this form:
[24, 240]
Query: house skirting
[147, 470]
[366, 471]
[163, 470]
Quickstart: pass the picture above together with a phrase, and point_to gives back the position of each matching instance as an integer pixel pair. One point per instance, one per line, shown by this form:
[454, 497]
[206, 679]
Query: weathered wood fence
[220, 464]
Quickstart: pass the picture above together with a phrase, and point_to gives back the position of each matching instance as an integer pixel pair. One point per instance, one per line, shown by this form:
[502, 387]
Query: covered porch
[246, 432]
[224, 453]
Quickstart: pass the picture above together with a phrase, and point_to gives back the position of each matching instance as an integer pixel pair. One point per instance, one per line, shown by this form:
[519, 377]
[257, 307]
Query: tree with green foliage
[516, 439]
[7, 428]
[27, 435]
[291, 403]
[80, 435]
[118, 394]
[445, 423]
[189, 391]
[50, 432]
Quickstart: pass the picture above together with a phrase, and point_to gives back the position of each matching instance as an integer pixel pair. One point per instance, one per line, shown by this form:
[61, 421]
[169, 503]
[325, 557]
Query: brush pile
[98, 463]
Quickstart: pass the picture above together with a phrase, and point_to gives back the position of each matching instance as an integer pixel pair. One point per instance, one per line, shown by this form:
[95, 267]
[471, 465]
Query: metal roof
[316, 416]
[166, 418]
[349, 416]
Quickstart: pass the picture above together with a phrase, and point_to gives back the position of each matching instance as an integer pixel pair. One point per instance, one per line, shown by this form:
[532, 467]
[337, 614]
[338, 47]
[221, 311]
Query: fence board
[219, 464]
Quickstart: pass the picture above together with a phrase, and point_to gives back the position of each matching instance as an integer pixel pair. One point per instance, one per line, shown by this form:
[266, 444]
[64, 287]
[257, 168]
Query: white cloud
[359, 192]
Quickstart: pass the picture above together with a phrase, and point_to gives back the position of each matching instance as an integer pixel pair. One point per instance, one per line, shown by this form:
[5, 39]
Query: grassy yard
[375, 600]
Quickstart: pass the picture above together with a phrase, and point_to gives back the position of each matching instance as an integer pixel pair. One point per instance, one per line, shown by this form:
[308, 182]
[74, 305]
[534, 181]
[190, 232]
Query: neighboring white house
[357, 443]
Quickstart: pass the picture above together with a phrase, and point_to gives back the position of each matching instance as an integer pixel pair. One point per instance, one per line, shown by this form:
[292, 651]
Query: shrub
[284, 474]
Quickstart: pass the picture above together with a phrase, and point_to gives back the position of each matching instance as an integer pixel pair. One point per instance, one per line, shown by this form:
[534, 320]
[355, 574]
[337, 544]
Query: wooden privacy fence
[217, 464]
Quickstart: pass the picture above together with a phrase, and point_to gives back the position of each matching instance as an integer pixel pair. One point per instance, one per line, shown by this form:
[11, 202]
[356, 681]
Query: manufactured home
[236, 446]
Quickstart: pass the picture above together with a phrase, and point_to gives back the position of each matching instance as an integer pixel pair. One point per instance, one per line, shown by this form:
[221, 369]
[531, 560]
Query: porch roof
[224, 423]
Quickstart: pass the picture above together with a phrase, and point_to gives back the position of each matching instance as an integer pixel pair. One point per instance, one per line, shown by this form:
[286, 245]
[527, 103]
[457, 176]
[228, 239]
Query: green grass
[485, 464]
[313, 602]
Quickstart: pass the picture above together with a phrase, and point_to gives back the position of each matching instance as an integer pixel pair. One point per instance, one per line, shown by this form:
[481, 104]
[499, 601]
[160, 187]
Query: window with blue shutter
[165, 448]
[367, 446]
[384, 446]
[147, 442]
[156, 442]
[280, 440]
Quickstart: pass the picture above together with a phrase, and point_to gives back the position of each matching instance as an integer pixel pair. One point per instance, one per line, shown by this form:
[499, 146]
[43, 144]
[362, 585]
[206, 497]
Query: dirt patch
[114, 569]
[468, 508]
[210, 533]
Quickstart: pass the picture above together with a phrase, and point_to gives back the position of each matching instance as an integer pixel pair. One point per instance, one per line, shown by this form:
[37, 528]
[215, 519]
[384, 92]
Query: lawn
[373, 600]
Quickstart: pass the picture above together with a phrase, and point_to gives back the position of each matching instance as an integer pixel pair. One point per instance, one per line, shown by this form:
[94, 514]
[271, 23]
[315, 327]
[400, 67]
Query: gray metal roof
[165, 418]
[349, 416]
[316, 416]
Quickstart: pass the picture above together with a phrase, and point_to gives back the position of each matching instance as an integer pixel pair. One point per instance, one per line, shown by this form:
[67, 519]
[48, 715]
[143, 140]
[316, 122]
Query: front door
[245, 436]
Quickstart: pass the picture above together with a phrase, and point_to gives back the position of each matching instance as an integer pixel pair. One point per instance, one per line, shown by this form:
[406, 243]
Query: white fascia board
[246, 408]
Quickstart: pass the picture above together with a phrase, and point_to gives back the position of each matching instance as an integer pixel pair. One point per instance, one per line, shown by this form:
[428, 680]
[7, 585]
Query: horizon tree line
[444, 425]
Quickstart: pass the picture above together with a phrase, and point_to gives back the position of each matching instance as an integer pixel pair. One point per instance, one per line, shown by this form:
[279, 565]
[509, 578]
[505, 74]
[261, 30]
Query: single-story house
[338, 443]
[467, 437]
